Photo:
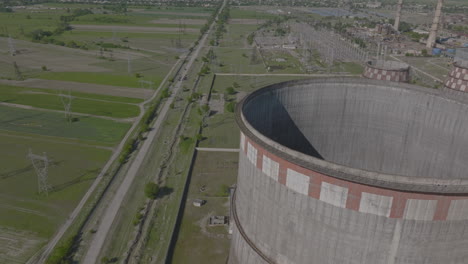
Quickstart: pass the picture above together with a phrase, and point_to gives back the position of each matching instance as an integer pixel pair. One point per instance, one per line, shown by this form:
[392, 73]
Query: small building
[218, 220]
[289, 46]
[198, 202]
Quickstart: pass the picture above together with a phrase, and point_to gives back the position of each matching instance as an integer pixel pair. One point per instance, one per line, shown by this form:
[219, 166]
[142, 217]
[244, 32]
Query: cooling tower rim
[377, 179]
[395, 66]
[462, 65]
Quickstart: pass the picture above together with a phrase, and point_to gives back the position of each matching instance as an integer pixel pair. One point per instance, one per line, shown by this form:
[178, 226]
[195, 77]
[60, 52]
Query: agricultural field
[109, 64]
[28, 218]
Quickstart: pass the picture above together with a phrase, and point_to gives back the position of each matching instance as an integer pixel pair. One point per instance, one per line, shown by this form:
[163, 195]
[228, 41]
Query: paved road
[42, 256]
[109, 215]
[218, 149]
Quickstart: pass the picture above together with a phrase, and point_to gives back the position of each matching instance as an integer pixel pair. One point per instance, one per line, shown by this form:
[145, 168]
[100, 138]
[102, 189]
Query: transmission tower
[129, 64]
[114, 35]
[18, 74]
[146, 84]
[67, 103]
[11, 44]
[41, 166]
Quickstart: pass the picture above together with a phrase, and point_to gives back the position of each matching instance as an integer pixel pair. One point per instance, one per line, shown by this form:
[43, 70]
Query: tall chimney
[398, 15]
[435, 25]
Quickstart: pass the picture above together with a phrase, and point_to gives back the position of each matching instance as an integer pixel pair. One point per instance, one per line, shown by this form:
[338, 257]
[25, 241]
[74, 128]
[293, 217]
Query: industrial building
[351, 171]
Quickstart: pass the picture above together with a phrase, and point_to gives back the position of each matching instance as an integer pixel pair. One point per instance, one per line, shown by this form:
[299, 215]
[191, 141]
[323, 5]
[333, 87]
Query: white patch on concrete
[252, 154]
[458, 210]
[334, 194]
[270, 168]
[376, 204]
[420, 209]
[395, 242]
[242, 141]
[298, 182]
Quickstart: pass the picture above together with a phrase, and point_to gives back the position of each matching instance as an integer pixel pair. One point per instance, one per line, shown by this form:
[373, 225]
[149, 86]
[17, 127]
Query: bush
[62, 253]
[230, 107]
[44, 68]
[151, 190]
[230, 91]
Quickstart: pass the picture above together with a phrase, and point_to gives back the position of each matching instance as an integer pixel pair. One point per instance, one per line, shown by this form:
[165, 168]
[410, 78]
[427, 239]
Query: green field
[54, 124]
[28, 218]
[197, 242]
[237, 12]
[92, 77]
[41, 99]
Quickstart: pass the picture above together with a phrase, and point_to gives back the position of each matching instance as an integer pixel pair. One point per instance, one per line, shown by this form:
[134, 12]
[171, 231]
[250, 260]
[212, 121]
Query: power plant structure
[457, 79]
[387, 71]
[396, 25]
[435, 25]
[351, 170]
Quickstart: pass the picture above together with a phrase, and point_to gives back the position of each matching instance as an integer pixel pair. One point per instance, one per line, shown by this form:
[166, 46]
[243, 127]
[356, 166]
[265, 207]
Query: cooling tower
[353, 171]
[387, 71]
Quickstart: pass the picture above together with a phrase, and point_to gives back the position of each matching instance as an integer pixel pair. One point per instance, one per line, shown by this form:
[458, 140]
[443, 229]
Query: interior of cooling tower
[389, 128]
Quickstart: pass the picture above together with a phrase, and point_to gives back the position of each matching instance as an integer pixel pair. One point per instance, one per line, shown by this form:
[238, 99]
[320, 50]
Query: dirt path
[130, 29]
[122, 120]
[82, 87]
[218, 149]
[179, 20]
[58, 141]
[108, 218]
[176, 13]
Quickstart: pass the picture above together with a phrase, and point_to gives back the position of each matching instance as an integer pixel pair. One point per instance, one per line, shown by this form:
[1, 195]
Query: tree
[230, 107]
[151, 190]
[230, 90]
[424, 52]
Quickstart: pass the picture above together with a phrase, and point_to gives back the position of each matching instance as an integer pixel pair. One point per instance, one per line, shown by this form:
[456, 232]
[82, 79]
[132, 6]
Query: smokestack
[435, 25]
[398, 15]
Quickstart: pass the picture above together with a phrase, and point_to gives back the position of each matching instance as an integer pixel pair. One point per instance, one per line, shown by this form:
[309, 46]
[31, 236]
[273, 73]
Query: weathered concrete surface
[368, 125]
[397, 136]
[294, 228]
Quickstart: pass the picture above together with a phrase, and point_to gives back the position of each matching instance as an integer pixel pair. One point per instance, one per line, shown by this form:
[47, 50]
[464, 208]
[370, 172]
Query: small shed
[198, 202]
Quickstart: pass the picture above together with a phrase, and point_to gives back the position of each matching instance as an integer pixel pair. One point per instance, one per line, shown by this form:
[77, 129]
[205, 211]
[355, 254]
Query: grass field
[238, 12]
[54, 124]
[91, 77]
[28, 218]
[37, 98]
[197, 242]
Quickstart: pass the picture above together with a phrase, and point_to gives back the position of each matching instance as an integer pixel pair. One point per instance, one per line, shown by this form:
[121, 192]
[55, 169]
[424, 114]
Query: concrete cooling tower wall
[351, 171]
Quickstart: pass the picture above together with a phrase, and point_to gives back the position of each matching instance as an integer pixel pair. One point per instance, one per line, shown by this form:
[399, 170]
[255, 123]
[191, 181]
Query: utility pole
[11, 44]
